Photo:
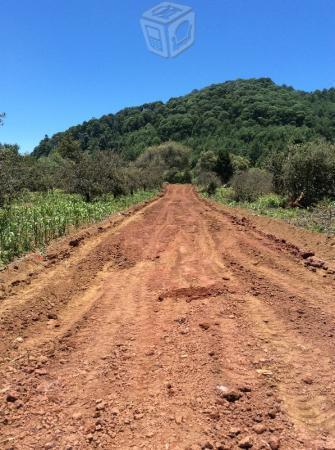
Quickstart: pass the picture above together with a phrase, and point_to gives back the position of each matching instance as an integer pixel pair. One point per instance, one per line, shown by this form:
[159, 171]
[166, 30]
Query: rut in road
[183, 327]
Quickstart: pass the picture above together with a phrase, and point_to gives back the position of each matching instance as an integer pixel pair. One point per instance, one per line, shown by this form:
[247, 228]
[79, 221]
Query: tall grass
[32, 221]
[319, 218]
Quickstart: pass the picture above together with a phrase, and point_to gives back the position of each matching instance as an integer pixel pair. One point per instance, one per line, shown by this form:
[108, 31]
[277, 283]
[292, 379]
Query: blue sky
[65, 61]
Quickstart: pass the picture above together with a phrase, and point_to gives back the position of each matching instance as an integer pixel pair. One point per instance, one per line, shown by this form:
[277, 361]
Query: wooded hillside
[252, 118]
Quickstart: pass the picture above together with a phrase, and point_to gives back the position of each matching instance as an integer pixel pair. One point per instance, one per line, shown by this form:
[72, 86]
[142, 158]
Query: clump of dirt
[194, 293]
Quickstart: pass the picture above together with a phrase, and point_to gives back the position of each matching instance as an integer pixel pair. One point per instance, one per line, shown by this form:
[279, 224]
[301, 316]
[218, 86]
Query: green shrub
[271, 201]
[225, 195]
[251, 184]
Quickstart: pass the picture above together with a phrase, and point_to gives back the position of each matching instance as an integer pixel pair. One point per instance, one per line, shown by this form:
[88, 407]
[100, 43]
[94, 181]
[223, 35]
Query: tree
[2, 116]
[239, 163]
[207, 162]
[46, 173]
[99, 174]
[11, 179]
[166, 162]
[69, 148]
[44, 148]
[111, 171]
[134, 179]
[274, 163]
[84, 181]
[224, 168]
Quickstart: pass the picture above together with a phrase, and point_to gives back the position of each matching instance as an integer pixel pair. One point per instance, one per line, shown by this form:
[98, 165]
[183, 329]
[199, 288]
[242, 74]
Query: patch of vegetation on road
[35, 219]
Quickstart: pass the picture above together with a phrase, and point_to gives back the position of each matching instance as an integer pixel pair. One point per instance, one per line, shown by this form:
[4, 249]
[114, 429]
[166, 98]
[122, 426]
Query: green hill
[248, 117]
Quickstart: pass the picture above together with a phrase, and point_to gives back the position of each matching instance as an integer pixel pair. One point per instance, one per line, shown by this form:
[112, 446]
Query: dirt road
[180, 326]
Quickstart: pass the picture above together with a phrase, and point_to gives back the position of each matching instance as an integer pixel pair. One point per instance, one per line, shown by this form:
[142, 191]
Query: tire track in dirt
[46, 297]
[174, 340]
[309, 399]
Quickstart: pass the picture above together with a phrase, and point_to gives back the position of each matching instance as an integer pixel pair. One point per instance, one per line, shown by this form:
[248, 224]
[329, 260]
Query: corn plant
[35, 219]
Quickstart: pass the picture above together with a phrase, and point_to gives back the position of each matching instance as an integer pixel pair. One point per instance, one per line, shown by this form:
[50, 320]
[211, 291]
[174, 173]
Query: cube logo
[169, 29]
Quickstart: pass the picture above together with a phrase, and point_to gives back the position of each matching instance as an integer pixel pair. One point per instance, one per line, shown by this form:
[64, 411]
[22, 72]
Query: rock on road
[181, 325]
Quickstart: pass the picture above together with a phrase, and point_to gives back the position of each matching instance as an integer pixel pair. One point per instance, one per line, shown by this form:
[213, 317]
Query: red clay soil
[181, 325]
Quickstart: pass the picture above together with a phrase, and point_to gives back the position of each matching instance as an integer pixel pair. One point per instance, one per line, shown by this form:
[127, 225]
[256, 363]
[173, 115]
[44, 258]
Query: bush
[271, 201]
[309, 173]
[208, 182]
[251, 184]
[225, 195]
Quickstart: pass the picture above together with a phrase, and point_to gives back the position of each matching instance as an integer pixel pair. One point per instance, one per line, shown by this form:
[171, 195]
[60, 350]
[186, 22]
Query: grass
[34, 220]
[320, 218]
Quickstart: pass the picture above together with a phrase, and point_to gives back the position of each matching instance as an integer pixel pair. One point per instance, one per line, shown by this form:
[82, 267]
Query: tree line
[92, 175]
[305, 173]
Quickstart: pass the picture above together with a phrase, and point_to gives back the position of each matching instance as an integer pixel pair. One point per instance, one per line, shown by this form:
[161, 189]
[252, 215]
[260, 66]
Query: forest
[252, 118]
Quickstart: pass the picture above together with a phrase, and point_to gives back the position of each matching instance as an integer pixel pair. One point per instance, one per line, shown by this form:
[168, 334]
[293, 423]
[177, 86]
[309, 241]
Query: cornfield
[31, 222]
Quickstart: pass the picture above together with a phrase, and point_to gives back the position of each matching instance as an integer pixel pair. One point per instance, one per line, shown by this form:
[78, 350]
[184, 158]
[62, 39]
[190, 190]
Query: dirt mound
[194, 293]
